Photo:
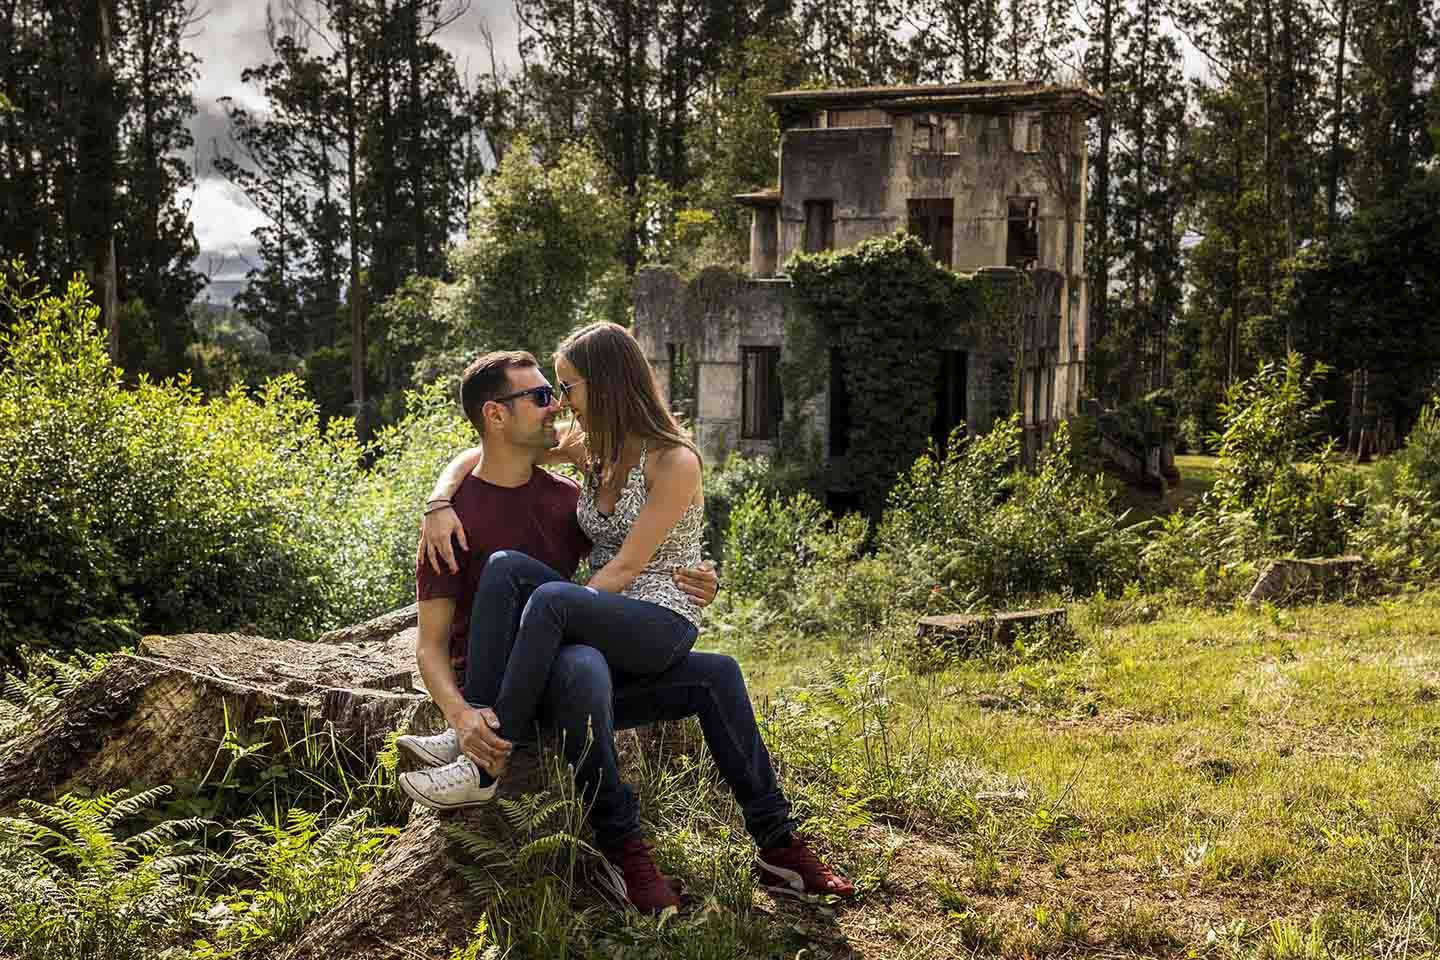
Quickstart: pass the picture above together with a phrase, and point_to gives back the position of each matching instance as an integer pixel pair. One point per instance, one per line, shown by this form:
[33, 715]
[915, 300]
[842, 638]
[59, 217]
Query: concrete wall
[715, 315]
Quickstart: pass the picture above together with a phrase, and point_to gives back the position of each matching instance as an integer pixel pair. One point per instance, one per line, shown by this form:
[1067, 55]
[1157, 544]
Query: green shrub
[125, 511]
[975, 524]
[149, 509]
[1275, 464]
[1399, 528]
[1278, 491]
[767, 541]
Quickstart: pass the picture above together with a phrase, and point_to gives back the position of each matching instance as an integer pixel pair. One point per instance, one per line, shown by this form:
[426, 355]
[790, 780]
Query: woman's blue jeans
[524, 611]
[585, 697]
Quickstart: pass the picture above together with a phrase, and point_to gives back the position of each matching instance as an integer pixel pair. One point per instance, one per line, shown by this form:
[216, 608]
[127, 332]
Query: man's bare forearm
[432, 656]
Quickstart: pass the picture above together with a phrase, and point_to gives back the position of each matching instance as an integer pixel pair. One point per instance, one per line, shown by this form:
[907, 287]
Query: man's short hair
[487, 378]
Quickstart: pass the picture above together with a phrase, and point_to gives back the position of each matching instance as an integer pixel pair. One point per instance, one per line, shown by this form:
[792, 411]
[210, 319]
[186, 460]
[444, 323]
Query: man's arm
[476, 726]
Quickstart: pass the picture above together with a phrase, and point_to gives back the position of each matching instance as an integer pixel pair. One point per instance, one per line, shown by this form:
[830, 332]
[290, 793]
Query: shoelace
[454, 774]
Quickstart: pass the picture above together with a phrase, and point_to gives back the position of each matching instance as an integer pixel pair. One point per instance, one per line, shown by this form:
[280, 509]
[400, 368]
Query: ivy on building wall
[888, 308]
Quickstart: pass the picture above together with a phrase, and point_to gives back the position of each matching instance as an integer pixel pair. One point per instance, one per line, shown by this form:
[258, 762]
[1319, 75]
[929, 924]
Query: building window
[682, 380]
[760, 391]
[926, 135]
[819, 225]
[1032, 137]
[857, 118]
[950, 387]
[1022, 240]
[933, 221]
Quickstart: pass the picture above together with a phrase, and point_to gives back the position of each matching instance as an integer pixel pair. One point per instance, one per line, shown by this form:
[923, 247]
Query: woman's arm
[439, 528]
[455, 471]
[677, 477]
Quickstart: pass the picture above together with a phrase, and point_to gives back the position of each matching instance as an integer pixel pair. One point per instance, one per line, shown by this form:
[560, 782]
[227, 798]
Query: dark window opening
[682, 380]
[933, 221]
[950, 386]
[857, 118]
[1022, 239]
[760, 391]
[819, 225]
[926, 135]
[839, 407]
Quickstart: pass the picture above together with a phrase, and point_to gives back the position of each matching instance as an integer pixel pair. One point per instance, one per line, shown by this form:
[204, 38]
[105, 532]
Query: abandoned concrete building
[990, 176]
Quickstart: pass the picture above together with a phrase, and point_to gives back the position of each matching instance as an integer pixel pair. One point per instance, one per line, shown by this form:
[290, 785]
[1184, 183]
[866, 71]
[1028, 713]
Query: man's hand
[436, 545]
[699, 582]
[479, 741]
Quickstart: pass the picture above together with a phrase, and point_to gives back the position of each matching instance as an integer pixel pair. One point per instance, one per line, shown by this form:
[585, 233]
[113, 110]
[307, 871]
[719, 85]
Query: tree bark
[159, 715]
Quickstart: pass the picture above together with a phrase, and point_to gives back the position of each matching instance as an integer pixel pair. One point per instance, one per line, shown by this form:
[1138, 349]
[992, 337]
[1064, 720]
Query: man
[508, 503]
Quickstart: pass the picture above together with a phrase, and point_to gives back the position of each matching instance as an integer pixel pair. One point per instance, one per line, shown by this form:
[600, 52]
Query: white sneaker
[433, 751]
[450, 787]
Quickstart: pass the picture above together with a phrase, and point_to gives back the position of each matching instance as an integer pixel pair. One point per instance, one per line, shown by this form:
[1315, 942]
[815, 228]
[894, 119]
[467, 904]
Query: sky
[231, 37]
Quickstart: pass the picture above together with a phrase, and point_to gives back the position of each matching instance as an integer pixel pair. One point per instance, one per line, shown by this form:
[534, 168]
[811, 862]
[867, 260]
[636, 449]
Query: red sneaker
[794, 870]
[634, 877]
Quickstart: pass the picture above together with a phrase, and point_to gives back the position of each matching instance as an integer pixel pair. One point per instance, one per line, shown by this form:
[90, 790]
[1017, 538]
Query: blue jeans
[524, 611]
[585, 693]
[586, 703]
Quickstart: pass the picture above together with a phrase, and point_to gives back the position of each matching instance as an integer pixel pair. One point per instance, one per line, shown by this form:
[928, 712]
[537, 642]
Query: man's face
[524, 422]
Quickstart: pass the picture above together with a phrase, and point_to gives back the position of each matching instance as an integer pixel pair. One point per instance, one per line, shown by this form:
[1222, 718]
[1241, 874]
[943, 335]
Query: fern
[70, 888]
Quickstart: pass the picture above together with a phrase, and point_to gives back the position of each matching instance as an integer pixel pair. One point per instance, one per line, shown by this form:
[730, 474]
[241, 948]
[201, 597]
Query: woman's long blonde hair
[622, 398]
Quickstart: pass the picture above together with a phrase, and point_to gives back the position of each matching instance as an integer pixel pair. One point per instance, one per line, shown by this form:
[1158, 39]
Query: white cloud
[224, 219]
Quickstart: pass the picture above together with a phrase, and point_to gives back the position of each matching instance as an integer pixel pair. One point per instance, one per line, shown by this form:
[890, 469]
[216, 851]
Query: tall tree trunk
[97, 161]
[1333, 185]
[1100, 202]
[349, 44]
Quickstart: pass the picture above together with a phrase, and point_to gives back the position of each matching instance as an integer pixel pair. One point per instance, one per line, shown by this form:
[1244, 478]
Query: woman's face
[574, 388]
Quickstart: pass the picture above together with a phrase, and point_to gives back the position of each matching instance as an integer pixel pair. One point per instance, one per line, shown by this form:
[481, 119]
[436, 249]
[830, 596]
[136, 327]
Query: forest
[1261, 181]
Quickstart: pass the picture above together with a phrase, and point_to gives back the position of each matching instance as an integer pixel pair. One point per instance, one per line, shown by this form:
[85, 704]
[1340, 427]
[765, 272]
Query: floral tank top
[681, 546]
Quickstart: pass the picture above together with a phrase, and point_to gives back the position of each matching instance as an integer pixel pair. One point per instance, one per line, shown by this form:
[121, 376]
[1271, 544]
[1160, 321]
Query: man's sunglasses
[543, 396]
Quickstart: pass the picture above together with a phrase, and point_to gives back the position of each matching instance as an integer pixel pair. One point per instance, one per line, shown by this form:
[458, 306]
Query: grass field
[1241, 784]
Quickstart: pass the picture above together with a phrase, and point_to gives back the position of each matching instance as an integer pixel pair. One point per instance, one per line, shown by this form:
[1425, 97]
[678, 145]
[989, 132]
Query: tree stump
[1289, 580]
[160, 715]
[969, 633]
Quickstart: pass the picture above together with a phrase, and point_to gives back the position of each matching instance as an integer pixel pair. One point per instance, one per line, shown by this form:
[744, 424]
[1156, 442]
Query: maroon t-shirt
[537, 518]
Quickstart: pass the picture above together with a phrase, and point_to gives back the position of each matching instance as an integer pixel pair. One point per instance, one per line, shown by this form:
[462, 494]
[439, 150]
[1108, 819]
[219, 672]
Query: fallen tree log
[159, 715]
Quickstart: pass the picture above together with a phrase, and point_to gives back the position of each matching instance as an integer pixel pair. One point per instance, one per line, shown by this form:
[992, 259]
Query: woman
[642, 507]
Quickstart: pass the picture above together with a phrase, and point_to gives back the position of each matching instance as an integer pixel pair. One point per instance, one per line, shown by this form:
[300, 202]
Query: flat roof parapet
[944, 96]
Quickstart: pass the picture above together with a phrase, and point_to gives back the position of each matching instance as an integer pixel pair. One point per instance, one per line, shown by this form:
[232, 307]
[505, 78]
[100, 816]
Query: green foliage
[301, 868]
[1399, 529]
[530, 868]
[886, 306]
[1271, 428]
[29, 693]
[72, 889]
[542, 237]
[974, 524]
[1278, 490]
[768, 541]
[149, 509]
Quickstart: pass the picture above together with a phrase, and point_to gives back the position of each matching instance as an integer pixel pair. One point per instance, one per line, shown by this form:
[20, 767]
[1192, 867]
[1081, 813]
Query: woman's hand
[438, 532]
[571, 448]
